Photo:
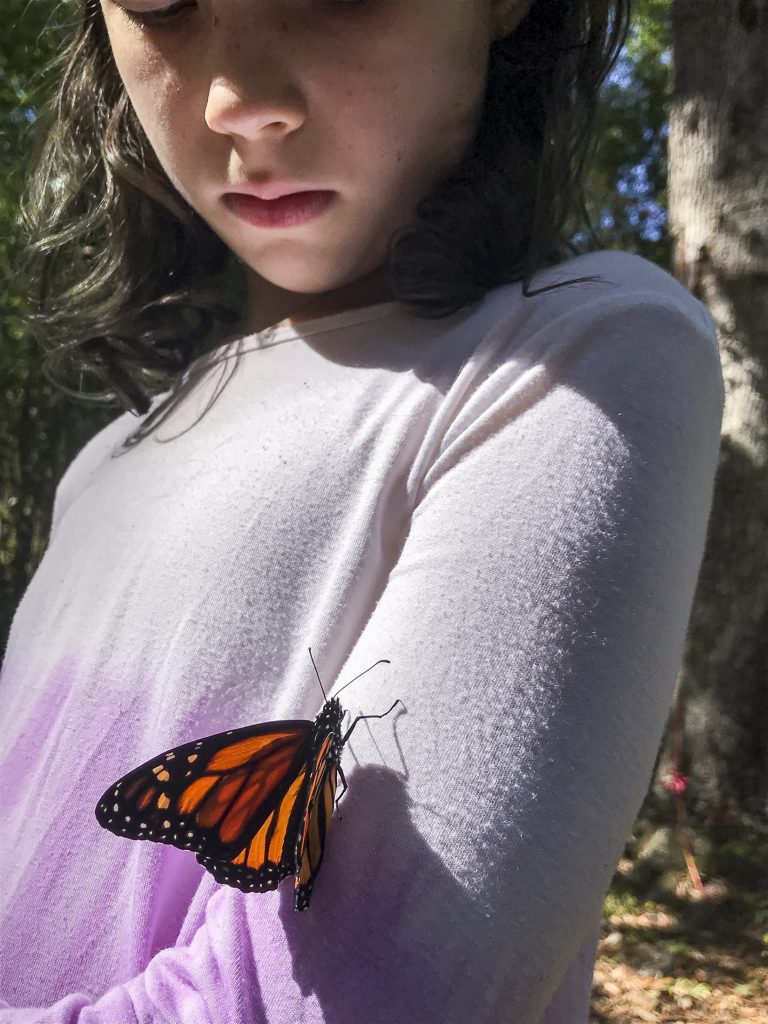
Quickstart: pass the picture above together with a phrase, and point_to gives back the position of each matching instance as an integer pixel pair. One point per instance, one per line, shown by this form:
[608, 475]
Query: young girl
[400, 452]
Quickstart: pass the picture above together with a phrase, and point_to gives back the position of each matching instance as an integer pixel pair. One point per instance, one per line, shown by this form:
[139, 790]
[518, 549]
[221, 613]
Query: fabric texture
[511, 505]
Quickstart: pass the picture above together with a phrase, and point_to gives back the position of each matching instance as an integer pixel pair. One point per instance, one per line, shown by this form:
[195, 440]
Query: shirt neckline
[329, 322]
[288, 332]
[270, 336]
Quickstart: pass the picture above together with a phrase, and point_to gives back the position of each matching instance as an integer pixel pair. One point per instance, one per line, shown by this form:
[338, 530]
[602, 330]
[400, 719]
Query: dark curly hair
[98, 200]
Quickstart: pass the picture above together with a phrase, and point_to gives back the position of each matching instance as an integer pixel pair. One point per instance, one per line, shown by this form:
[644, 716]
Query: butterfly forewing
[213, 795]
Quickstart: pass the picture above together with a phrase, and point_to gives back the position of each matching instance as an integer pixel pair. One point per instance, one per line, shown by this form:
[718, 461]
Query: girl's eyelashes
[164, 15]
[158, 17]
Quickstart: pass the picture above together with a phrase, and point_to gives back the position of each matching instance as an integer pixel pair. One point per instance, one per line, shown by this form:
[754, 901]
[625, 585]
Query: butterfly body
[254, 803]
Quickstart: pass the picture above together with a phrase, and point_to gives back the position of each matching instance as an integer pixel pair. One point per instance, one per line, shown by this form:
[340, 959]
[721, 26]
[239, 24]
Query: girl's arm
[535, 623]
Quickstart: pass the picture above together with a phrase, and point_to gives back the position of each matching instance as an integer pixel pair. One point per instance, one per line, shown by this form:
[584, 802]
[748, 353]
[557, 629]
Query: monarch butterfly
[253, 803]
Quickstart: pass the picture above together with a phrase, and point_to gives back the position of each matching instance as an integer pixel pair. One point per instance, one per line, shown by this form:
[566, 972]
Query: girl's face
[372, 99]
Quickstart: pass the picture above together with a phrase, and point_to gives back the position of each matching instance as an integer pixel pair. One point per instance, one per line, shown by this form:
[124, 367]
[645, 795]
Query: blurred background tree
[718, 223]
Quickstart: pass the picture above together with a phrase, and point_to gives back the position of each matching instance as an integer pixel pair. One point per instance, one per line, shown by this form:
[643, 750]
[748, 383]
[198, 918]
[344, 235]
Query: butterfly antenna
[318, 675]
[385, 661]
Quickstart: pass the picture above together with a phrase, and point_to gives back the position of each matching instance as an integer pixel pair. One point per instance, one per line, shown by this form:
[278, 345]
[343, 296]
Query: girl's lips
[287, 212]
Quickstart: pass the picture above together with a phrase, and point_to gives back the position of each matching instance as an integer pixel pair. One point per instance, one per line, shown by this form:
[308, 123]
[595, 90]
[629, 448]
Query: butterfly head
[331, 714]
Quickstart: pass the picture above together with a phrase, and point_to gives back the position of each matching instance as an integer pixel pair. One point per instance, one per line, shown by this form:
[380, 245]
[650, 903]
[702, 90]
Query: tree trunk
[718, 212]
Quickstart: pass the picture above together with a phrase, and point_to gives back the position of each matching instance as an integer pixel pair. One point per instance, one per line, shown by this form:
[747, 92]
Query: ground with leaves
[671, 953]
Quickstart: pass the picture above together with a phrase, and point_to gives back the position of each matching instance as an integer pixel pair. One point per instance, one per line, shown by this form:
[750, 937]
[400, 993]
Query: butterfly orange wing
[310, 842]
[231, 798]
[267, 857]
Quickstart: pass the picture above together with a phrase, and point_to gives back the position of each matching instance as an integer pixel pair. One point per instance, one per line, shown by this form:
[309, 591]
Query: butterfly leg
[341, 794]
[349, 730]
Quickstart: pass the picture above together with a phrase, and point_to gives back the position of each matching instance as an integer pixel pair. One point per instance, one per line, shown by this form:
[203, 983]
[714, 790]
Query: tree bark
[718, 214]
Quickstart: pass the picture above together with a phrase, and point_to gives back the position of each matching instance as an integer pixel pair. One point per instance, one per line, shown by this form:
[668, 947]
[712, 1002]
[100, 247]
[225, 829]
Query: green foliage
[621, 902]
[40, 428]
[626, 187]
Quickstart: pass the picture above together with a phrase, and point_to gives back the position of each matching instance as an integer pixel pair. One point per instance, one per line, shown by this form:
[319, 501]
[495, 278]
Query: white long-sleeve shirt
[509, 504]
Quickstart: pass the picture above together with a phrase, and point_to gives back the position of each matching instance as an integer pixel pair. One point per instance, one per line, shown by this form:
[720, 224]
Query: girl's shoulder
[619, 283]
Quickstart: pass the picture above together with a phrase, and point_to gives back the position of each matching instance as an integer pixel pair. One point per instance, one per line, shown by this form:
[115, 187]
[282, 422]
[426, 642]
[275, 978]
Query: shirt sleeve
[535, 622]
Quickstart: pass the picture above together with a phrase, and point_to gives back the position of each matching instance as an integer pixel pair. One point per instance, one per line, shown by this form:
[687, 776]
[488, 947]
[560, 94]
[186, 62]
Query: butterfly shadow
[385, 938]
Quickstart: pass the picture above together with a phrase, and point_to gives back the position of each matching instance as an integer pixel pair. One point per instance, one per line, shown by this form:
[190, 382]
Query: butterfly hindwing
[310, 842]
[292, 839]
[212, 795]
[269, 856]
